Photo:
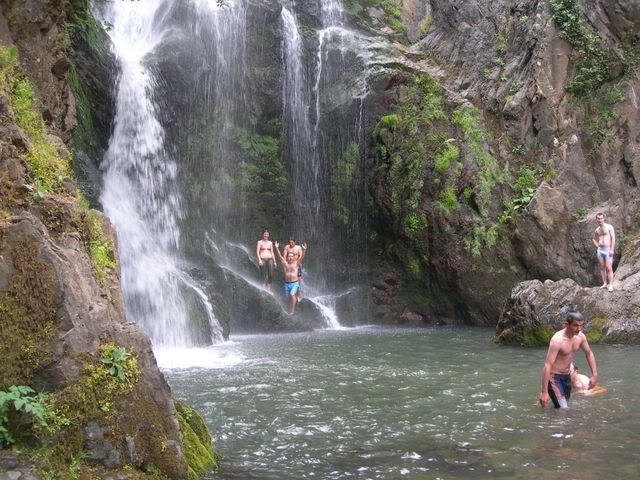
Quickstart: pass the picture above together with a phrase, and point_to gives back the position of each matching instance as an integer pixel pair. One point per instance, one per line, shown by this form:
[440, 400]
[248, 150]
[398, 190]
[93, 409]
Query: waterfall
[140, 195]
[298, 131]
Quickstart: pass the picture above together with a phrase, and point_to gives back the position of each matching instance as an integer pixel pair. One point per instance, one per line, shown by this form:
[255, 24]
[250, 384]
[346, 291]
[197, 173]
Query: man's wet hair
[291, 239]
[600, 214]
[574, 317]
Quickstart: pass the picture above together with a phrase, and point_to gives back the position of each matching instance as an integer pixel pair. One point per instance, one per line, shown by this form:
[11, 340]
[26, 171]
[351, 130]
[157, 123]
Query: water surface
[374, 403]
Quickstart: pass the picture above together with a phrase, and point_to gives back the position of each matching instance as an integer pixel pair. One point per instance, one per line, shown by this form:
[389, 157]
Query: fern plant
[19, 398]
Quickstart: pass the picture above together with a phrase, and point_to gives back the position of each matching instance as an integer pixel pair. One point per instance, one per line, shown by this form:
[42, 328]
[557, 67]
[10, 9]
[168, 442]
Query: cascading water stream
[298, 131]
[300, 135]
[140, 195]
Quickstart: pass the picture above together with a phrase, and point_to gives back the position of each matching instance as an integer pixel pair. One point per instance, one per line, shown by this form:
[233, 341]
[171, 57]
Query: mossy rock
[532, 335]
[27, 317]
[196, 441]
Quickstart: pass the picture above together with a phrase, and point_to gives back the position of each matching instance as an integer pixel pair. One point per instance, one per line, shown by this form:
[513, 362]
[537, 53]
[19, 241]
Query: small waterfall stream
[140, 195]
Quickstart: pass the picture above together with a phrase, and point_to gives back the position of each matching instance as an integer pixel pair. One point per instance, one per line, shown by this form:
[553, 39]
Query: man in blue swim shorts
[556, 373]
[291, 274]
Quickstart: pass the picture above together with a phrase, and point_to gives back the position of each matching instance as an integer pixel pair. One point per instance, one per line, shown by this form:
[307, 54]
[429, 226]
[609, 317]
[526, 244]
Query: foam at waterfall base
[215, 356]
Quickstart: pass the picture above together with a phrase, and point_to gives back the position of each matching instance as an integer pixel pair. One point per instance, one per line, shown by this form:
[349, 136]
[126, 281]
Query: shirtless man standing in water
[266, 259]
[556, 376]
[604, 239]
[291, 275]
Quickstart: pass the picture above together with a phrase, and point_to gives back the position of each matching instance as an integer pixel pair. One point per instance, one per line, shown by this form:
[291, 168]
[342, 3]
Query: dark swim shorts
[560, 389]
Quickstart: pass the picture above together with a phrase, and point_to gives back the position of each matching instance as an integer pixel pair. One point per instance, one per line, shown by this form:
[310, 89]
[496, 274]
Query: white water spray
[140, 195]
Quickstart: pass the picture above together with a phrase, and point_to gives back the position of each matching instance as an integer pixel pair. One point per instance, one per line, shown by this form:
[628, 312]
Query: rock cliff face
[532, 129]
[62, 322]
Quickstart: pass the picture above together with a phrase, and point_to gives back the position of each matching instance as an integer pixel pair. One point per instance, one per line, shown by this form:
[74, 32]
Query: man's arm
[594, 239]
[304, 252]
[591, 360]
[277, 245]
[552, 353]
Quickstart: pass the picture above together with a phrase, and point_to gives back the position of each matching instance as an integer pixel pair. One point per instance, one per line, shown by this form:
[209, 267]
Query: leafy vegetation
[600, 109]
[18, 398]
[92, 396]
[488, 172]
[592, 63]
[392, 9]
[115, 358]
[48, 168]
[341, 179]
[100, 248]
[405, 149]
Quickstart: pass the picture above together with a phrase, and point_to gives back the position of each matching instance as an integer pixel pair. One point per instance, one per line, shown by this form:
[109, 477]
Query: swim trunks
[291, 288]
[560, 389]
[603, 253]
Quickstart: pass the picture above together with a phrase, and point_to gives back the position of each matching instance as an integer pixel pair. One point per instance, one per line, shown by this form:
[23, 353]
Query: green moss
[262, 175]
[444, 160]
[99, 247]
[27, 317]
[596, 329]
[91, 397]
[391, 8]
[48, 168]
[85, 131]
[415, 223]
[341, 179]
[448, 200]
[537, 334]
[196, 442]
[404, 149]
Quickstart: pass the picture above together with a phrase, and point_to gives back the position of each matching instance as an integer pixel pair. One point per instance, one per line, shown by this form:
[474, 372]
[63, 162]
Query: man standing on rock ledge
[604, 238]
[556, 376]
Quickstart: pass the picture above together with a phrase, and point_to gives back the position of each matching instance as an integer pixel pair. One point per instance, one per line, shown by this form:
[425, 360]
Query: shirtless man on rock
[604, 239]
[291, 274]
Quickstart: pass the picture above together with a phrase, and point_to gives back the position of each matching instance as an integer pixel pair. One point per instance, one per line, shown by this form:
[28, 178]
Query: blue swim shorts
[560, 389]
[603, 253]
[291, 288]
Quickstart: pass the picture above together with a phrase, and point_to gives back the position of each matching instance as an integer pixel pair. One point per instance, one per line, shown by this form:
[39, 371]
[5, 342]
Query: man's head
[574, 322]
[600, 218]
[292, 242]
[291, 257]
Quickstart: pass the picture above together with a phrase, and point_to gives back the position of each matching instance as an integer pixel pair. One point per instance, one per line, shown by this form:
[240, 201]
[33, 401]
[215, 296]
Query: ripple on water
[400, 404]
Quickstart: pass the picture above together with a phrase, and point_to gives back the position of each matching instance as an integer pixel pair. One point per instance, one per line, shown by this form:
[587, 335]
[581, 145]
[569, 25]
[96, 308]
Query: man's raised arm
[277, 246]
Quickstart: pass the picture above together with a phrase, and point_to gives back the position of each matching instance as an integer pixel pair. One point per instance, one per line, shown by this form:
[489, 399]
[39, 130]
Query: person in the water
[556, 373]
[580, 383]
[291, 266]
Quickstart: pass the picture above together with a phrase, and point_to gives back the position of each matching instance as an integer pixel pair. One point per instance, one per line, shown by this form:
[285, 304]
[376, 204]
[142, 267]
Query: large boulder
[536, 309]
[52, 303]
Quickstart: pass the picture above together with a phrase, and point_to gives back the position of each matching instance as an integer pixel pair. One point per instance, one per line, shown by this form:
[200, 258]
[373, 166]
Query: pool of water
[374, 403]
